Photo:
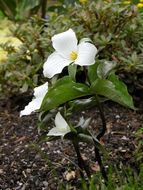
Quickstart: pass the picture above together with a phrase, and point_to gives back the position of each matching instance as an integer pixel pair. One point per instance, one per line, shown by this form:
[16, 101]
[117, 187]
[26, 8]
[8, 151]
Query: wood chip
[118, 132]
[20, 139]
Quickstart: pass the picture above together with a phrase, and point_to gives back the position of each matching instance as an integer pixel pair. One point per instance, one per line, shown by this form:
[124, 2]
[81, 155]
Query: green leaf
[92, 72]
[63, 91]
[114, 90]
[64, 80]
[24, 87]
[45, 118]
[8, 8]
[121, 87]
[72, 71]
[26, 5]
[82, 104]
[105, 68]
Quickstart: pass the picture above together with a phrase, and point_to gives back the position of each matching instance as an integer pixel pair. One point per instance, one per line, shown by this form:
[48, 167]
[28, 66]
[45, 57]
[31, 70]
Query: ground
[23, 167]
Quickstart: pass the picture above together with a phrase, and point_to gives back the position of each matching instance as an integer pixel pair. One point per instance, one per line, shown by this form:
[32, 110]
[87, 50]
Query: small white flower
[61, 127]
[67, 51]
[35, 104]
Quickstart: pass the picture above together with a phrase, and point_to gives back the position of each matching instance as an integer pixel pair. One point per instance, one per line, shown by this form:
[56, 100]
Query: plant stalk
[98, 158]
[101, 134]
[104, 128]
[81, 163]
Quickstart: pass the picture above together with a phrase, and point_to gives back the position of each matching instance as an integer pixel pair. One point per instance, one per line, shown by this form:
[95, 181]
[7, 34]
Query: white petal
[40, 91]
[86, 54]
[60, 121]
[35, 104]
[55, 132]
[54, 65]
[61, 126]
[32, 106]
[65, 42]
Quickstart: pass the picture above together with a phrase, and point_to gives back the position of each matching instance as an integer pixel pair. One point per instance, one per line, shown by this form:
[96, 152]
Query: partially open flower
[61, 127]
[35, 104]
[67, 51]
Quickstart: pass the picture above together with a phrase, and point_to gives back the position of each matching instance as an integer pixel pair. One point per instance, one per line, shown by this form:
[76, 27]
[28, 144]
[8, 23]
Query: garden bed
[22, 166]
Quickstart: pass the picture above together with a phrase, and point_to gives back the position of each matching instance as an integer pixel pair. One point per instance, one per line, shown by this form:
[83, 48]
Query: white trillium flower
[61, 126]
[35, 104]
[67, 51]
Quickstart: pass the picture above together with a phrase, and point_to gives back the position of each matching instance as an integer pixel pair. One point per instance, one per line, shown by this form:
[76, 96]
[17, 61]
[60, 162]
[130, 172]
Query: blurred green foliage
[114, 28]
[21, 9]
[17, 9]
[23, 68]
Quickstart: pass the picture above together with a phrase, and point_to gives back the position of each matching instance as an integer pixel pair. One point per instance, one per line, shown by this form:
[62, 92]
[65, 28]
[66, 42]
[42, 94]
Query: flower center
[73, 55]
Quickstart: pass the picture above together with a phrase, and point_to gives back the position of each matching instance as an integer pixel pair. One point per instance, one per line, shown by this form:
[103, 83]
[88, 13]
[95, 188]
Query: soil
[23, 166]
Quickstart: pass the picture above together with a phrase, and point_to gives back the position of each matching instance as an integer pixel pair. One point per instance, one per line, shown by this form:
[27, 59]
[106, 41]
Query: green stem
[104, 128]
[86, 74]
[98, 158]
[81, 163]
[97, 155]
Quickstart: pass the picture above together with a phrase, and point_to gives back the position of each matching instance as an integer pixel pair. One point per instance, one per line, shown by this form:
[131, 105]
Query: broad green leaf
[72, 71]
[104, 69]
[122, 88]
[63, 91]
[114, 90]
[82, 104]
[64, 80]
[92, 72]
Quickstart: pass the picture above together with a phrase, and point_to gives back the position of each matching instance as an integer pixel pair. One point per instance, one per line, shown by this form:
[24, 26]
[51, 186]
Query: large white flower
[39, 93]
[61, 127]
[67, 51]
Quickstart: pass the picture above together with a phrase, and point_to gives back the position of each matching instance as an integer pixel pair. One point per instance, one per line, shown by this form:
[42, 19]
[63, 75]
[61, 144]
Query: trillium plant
[62, 97]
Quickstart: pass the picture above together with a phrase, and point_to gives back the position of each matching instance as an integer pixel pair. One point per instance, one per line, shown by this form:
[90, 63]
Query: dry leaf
[20, 139]
[109, 126]
[101, 142]
[95, 167]
[70, 175]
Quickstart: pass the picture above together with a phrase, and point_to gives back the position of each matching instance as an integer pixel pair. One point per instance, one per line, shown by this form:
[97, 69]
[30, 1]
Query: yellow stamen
[73, 55]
